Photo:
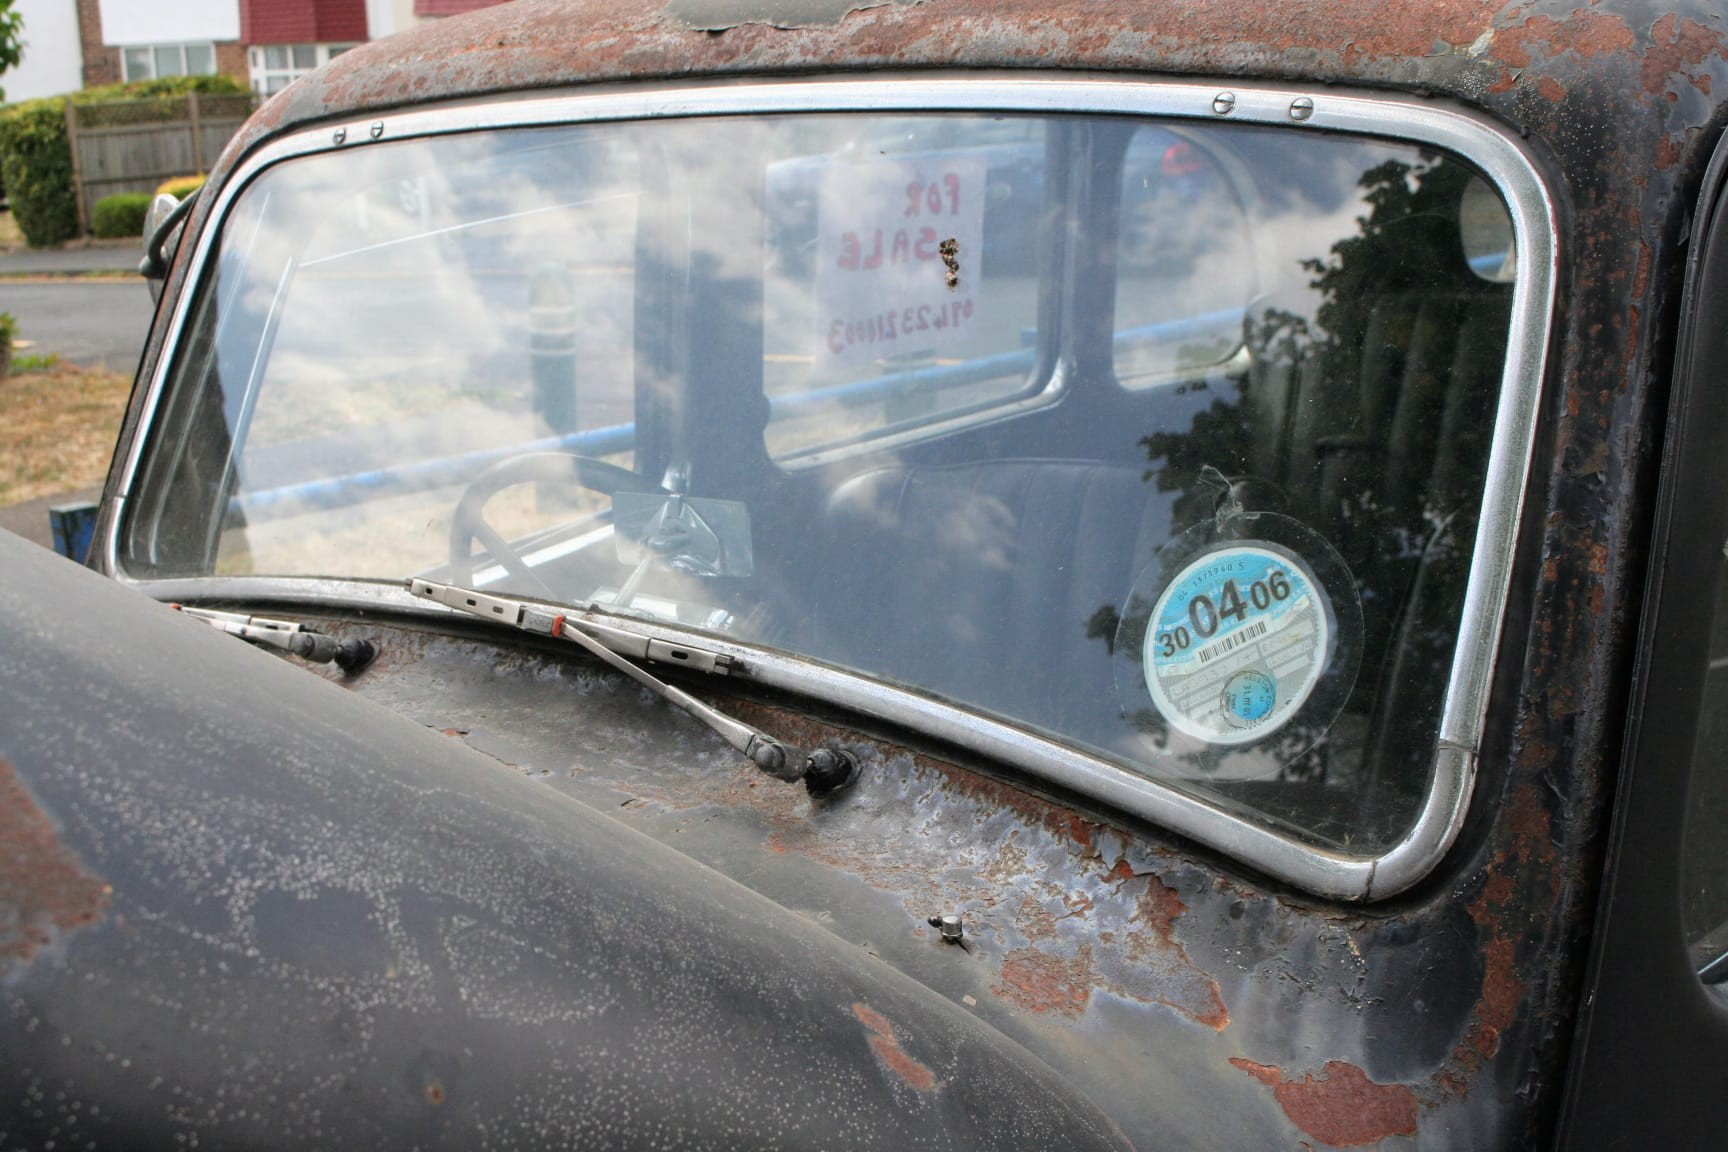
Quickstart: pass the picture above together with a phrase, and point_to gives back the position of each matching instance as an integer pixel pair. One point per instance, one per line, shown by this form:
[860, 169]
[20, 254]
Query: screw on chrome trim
[1301, 108]
[340, 136]
[1224, 103]
[377, 129]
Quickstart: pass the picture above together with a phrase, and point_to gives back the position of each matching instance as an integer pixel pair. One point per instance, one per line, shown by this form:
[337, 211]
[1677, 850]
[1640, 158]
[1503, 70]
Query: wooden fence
[134, 145]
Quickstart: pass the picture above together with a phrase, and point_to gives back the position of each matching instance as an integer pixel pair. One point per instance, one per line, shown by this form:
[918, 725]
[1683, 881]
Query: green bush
[8, 330]
[36, 158]
[121, 214]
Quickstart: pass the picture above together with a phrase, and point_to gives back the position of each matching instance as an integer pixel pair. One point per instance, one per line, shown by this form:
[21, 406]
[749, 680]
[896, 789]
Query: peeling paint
[46, 894]
[1055, 971]
[1678, 49]
[1342, 1106]
[1039, 981]
[724, 15]
[1585, 35]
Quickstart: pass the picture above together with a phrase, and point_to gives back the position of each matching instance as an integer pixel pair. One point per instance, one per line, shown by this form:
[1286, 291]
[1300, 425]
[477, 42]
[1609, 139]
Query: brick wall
[302, 21]
[231, 60]
[101, 63]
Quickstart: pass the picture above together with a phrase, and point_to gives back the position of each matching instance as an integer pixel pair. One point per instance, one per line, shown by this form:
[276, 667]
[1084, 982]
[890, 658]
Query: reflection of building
[267, 44]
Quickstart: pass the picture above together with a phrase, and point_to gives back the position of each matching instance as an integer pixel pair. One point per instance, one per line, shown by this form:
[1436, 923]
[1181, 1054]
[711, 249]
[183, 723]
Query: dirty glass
[1161, 440]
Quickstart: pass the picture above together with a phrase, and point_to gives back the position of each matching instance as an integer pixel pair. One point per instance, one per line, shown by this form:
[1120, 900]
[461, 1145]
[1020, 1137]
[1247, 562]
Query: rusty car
[902, 574]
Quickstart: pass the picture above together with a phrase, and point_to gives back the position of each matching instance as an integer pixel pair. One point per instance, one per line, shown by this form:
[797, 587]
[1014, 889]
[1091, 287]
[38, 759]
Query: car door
[1650, 1056]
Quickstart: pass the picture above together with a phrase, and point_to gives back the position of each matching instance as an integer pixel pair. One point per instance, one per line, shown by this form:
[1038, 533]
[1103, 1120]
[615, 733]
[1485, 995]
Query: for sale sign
[898, 257]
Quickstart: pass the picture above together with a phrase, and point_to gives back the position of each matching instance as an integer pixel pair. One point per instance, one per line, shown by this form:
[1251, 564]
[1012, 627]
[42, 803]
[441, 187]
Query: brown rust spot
[45, 892]
[1529, 860]
[887, 1049]
[1156, 911]
[1040, 981]
[1584, 35]
[545, 43]
[1005, 868]
[1668, 151]
[1342, 1106]
[1679, 47]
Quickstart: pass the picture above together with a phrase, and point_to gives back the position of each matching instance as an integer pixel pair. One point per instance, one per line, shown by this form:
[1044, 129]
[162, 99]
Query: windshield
[1164, 440]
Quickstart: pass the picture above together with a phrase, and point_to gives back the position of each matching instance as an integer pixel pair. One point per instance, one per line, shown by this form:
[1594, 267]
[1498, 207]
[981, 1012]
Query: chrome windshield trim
[1318, 870]
[1494, 150]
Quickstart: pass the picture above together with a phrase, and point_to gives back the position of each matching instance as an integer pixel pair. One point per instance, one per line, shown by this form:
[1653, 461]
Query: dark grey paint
[330, 926]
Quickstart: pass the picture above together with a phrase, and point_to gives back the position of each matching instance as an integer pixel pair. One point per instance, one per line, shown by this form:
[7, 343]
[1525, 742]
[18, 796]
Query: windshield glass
[1164, 440]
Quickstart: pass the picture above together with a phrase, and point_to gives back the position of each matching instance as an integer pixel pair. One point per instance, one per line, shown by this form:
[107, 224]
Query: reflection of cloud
[982, 530]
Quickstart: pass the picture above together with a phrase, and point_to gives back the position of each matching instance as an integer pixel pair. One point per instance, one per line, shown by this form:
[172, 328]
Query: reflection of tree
[1102, 625]
[1369, 423]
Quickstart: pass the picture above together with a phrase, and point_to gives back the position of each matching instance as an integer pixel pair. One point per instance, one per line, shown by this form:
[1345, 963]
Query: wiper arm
[288, 636]
[823, 771]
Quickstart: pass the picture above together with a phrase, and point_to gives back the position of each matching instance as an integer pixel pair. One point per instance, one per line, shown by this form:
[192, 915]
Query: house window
[275, 66]
[148, 61]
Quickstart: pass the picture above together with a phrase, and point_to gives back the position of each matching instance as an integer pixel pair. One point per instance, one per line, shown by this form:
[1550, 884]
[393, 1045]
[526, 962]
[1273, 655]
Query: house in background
[266, 44]
[52, 62]
[143, 39]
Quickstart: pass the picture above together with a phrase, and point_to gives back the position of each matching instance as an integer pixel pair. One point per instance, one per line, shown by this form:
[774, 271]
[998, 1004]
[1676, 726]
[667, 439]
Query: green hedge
[121, 214]
[36, 159]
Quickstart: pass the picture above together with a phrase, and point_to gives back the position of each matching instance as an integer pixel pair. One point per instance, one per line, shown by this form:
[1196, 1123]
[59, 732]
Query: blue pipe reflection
[355, 487]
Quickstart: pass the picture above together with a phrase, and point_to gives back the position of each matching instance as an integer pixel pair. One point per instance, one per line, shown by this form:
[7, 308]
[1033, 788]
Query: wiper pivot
[288, 636]
[823, 771]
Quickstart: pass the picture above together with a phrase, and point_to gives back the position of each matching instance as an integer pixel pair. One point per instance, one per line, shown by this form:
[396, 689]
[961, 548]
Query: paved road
[84, 321]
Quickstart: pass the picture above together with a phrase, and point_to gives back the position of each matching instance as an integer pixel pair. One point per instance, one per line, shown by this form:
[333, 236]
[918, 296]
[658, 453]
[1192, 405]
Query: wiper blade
[824, 770]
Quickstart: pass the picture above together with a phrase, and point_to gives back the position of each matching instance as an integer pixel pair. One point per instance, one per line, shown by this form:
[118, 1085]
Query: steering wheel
[467, 523]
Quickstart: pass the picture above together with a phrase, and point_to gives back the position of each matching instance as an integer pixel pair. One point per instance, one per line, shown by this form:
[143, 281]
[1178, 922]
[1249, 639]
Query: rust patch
[1156, 948]
[1678, 48]
[1529, 859]
[1342, 1106]
[887, 1049]
[1031, 867]
[1584, 35]
[1039, 981]
[546, 43]
[45, 892]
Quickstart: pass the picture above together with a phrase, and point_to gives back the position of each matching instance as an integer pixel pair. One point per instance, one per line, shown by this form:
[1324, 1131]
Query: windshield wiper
[288, 636]
[824, 770]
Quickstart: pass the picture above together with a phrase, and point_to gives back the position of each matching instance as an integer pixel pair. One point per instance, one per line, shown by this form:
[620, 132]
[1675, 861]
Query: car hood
[242, 905]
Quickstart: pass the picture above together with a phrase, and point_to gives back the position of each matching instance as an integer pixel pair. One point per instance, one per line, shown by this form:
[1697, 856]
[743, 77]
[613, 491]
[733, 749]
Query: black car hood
[241, 907]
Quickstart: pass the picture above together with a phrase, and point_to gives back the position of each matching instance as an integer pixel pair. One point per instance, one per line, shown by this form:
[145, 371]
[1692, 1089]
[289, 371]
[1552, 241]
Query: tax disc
[1238, 647]
[1237, 643]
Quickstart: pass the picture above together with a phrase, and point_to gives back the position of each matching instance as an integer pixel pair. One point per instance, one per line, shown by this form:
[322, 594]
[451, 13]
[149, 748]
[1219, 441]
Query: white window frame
[128, 73]
[262, 75]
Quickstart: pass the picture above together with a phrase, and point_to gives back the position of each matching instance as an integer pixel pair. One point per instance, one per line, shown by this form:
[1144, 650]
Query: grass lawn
[57, 428]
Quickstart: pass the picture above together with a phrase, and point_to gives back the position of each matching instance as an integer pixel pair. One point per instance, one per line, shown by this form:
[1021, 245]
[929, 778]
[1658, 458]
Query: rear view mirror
[689, 534]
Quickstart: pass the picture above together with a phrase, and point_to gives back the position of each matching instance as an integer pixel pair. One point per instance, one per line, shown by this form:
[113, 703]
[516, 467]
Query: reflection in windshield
[933, 398]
